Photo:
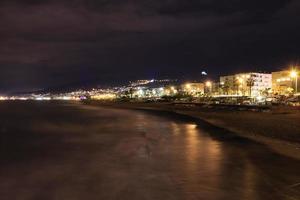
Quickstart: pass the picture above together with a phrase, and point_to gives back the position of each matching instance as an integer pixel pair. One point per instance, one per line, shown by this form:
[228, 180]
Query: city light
[230, 85]
[241, 80]
[3, 98]
[43, 98]
[173, 89]
[208, 84]
[294, 74]
[104, 97]
[259, 98]
[188, 86]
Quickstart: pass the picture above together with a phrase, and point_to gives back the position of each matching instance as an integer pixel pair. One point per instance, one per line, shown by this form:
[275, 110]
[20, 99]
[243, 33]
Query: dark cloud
[59, 42]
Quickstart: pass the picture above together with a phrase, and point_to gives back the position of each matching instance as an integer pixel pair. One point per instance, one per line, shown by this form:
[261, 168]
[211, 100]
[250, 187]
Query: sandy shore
[278, 128]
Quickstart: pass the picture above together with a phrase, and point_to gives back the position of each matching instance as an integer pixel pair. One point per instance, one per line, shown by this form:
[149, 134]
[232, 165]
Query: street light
[173, 89]
[208, 84]
[294, 74]
[187, 88]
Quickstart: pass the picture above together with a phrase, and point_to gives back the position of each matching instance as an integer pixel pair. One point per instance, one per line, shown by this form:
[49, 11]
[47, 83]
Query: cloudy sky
[52, 43]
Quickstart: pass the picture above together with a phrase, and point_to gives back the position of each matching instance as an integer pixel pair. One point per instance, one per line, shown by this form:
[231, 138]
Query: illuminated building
[283, 82]
[107, 96]
[193, 88]
[245, 84]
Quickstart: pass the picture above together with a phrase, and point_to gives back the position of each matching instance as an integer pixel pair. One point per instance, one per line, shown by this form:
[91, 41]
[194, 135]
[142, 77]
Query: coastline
[277, 128]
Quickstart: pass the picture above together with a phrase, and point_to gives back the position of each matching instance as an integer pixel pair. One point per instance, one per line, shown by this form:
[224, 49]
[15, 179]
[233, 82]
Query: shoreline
[277, 129]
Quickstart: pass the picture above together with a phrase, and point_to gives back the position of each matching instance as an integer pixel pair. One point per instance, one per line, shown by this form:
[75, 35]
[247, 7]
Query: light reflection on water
[248, 182]
[210, 168]
[203, 162]
[124, 154]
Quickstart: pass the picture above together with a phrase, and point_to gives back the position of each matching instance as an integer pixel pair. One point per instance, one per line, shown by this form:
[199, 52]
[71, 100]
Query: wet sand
[73, 151]
[279, 128]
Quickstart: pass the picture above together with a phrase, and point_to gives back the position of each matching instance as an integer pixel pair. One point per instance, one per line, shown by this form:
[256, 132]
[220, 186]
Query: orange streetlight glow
[294, 75]
[208, 83]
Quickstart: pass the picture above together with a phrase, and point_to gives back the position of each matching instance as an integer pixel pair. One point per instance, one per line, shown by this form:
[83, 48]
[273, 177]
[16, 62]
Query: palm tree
[236, 85]
[226, 87]
[250, 84]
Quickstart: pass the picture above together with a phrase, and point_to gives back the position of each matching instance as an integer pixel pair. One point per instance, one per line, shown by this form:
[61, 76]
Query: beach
[277, 127]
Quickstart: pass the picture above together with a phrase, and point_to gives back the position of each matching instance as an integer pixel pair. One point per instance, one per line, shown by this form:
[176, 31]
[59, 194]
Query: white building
[246, 84]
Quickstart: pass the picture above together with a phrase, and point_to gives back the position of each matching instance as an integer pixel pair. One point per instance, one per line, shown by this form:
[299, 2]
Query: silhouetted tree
[250, 84]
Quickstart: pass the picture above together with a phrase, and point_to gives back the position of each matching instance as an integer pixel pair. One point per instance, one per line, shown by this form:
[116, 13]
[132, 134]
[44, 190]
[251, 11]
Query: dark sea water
[68, 151]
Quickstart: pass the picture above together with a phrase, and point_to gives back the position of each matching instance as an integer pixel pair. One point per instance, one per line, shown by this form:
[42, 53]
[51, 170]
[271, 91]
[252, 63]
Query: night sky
[53, 43]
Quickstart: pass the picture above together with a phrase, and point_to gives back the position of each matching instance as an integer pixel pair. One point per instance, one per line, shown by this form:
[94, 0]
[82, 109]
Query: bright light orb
[294, 74]
[208, 83]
